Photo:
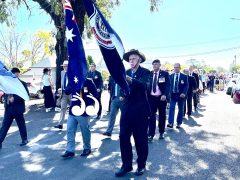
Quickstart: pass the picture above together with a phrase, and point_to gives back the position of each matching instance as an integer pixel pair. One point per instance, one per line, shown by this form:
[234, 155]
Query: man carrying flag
[82, 90]
[135, 114]
[14, 104]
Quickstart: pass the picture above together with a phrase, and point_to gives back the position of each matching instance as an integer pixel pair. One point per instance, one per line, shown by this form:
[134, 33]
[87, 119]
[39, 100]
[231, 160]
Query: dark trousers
[139, 131]
[195, 99]
[204, 86]
[48, 97]
[176, 99]
[7, 122]
[211, 85]
[157, 105]
[188, 105]
[100, 103]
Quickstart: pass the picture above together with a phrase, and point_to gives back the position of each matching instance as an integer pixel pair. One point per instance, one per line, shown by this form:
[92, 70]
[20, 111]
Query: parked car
[34, 89]
[1, 97]
[230, 85]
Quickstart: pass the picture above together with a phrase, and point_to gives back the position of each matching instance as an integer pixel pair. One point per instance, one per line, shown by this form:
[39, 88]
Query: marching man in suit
[134, 115]
[14, 109]
[195, 94]
[96, 76]
[178, 93]
[158, 92]
[192, 88]
[65, 99]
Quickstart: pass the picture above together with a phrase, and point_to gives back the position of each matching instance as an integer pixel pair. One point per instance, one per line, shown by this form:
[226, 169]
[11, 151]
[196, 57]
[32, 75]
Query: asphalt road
[206, 147]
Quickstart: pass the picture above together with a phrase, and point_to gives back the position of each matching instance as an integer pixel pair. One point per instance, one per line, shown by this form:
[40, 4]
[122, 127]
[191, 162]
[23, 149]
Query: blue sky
[181, 22]
[180, 27]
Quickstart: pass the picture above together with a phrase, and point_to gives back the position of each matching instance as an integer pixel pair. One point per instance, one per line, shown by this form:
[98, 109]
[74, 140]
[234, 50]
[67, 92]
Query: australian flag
[110, 44]
[10, 84]
[77, 65]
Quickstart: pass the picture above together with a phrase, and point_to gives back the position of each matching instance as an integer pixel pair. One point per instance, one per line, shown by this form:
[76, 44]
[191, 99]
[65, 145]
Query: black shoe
[58, 126]
[139, 171]
[170, 125]
[150, 138]
[68, 154]
[178, 126]
[123, 172]
[24, 142]
[107, 134]
[161, 136]
[86, 152]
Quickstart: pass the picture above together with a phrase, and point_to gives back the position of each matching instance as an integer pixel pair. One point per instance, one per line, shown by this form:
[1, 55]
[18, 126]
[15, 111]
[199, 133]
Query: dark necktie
[155, 83]
[176, 83]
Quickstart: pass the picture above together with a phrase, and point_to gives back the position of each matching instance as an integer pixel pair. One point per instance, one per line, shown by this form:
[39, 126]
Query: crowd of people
[151, 92]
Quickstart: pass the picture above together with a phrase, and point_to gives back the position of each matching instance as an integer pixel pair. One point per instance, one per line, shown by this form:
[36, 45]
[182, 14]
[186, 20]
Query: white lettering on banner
[90, 110]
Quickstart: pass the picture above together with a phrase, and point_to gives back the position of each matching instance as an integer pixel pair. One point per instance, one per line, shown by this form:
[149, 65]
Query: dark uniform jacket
[182, 83]
[135, 105]
[195, 75]
[97, 79]
[192, 84]
[18, 105]
[163, 83]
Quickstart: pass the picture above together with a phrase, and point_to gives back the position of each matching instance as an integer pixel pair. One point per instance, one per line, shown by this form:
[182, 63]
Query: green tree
[40, 47]
[235, 68]
[209, 69]
[105, 75]
[89, 60]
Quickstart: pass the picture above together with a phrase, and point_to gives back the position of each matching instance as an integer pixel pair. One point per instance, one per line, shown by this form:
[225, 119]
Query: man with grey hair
[135, 115]
[158, 93]
[178, 93]
[65, 99]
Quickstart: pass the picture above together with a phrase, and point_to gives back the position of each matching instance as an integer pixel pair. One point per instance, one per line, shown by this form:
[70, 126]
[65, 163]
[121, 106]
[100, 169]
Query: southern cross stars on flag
[77, 66]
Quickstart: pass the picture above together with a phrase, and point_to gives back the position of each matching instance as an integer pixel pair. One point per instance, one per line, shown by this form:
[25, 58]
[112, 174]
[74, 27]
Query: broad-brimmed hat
[65, 63]
[134, 51]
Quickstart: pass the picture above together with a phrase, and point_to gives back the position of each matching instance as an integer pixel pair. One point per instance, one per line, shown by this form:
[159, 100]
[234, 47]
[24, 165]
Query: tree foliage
[54, 8]
[89, 60]
[235, 68]
[40, 47]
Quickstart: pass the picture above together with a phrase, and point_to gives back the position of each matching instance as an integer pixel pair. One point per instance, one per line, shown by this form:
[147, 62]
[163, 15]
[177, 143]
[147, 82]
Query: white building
[36, 71]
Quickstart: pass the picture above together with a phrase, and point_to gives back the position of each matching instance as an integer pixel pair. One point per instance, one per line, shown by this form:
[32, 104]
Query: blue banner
[110, 44]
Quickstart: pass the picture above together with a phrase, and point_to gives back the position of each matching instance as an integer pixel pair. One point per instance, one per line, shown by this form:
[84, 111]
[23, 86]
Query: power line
[184, 45]
[202, 53]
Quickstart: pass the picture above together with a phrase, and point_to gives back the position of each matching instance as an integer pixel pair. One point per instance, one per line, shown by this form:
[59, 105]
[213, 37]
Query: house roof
[49, 62]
